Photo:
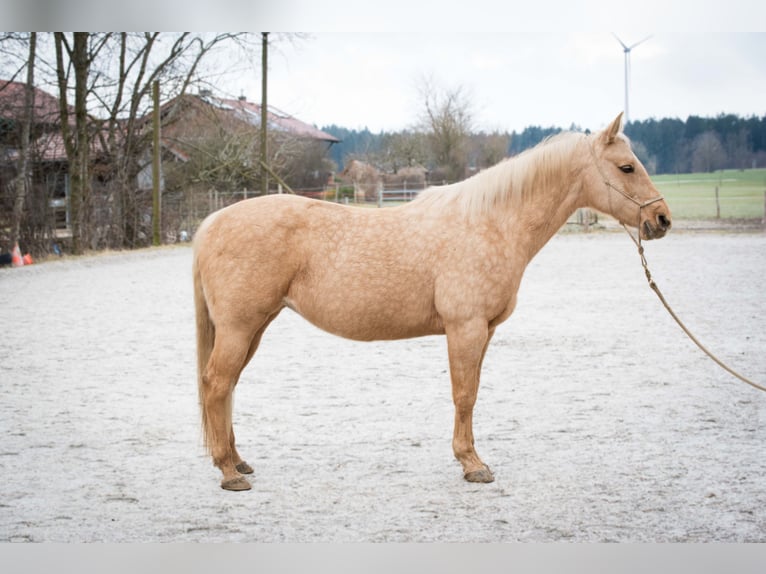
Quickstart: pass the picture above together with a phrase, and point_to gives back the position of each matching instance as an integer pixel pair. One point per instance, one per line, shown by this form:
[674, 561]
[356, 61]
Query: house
[47, 156]
[187, 121]
[233, 112]
[192, 121]
[45, 112]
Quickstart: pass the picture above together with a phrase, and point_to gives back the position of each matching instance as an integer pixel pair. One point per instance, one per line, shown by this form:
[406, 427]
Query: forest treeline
[668, 145]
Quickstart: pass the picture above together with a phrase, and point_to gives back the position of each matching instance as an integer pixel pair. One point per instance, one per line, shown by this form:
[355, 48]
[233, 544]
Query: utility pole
[264, 112]
[156, 181]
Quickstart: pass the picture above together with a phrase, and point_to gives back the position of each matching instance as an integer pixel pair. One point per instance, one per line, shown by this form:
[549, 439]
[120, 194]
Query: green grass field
[692, 195]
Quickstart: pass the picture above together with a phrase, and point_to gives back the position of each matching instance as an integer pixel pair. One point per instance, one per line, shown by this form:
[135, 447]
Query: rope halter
[622, 192]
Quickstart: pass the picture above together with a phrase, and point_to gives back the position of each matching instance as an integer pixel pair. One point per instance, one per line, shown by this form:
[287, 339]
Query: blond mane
[515, 179]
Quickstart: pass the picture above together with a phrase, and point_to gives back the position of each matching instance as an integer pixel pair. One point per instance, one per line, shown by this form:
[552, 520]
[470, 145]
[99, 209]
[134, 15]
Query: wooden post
[264, 112]
[156, 166]
[717, 204]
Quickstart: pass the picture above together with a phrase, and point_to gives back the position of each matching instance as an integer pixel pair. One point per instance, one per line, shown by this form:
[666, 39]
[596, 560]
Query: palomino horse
[450, 262]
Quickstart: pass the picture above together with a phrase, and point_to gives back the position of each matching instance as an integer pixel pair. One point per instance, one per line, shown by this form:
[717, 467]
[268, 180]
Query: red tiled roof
[50, 147]
[279, 120]
[46, 109]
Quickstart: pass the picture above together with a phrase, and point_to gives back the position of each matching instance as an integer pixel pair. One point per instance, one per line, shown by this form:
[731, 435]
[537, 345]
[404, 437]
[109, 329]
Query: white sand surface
[600, 420]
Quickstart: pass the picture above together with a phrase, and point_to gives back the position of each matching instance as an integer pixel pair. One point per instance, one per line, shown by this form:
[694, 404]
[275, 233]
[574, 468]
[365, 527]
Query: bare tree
[447, 119]
[21, 183]
[74, 57]
[402, 150]
[489, 148]
[226, 159]
[737, 149]
[707, 152]
[143, 58]
[114, 74]
[643, 154]
[13, 54]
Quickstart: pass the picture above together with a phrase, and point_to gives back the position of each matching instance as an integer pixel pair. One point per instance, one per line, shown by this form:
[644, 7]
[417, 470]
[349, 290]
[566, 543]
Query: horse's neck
[535, 219]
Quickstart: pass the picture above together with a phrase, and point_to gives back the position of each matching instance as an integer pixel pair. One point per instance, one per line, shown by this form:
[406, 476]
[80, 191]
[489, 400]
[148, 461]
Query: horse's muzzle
[657, 228]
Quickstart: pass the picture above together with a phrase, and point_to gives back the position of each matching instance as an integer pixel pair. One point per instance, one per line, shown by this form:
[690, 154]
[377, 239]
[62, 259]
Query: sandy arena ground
[601, 421]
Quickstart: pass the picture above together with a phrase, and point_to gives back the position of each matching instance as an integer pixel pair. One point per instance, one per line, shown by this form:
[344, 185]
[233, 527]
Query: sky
[372, 80]
[531, 62]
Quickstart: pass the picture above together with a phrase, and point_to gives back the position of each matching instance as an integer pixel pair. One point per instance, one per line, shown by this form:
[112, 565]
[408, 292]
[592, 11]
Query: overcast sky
[514, 80]
[528, 62]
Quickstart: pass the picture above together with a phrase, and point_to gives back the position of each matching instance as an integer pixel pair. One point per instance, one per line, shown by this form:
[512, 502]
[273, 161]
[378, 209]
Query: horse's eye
[627, 168]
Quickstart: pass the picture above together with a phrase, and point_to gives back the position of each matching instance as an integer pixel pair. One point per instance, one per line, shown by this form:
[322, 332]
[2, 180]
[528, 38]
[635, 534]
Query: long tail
[205, 340]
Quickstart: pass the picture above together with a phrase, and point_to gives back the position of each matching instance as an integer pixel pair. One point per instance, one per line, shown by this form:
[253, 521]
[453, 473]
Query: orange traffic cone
[16, 259]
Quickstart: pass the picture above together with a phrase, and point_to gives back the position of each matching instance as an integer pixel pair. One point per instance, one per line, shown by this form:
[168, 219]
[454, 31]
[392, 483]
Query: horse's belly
[362, 319]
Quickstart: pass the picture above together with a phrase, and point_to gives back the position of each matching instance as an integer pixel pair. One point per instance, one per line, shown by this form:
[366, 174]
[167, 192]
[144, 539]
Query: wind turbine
[626, 49]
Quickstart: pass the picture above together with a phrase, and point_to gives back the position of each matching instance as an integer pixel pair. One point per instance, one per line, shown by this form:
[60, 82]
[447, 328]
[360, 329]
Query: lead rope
[652, 284]
[656, 289]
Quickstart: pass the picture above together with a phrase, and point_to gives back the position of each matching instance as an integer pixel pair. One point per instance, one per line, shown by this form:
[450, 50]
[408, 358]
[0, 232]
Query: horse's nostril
[663, 222]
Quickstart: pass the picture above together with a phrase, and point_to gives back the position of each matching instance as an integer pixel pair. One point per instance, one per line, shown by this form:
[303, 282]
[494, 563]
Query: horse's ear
[614, 128]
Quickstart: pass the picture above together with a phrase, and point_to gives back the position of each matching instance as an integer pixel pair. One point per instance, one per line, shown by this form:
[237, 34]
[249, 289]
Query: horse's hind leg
[240, 464]
[232, 351]
[467, 343]
[227, 360]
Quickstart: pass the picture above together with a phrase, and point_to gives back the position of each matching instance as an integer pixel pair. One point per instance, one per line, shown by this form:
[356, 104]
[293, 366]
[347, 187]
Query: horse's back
[356, 272]
[248, 226]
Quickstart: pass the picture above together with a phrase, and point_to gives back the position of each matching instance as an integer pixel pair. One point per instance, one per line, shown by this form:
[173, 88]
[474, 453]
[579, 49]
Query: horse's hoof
[244, 468]
[238, 483]
[481, 475]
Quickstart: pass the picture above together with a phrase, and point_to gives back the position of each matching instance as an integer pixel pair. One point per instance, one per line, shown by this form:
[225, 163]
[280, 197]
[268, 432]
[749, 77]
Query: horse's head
[618, 184]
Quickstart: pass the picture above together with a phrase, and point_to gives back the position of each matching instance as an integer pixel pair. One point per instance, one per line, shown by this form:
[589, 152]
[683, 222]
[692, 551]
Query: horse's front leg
[467, 343]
